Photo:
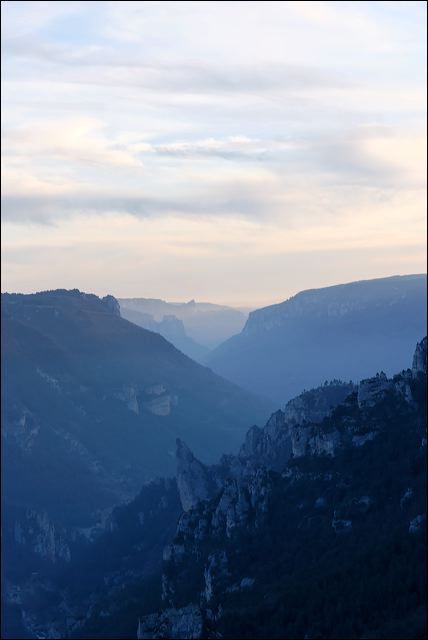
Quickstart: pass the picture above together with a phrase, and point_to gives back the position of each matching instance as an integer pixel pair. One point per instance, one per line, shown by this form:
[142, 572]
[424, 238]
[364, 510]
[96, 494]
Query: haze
[225, 151]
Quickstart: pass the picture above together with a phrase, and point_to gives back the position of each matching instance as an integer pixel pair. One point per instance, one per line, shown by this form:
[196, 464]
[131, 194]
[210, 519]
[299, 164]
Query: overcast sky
[233, 152]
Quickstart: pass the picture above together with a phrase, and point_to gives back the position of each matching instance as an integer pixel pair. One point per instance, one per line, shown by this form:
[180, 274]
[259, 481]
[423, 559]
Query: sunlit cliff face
[225, 151]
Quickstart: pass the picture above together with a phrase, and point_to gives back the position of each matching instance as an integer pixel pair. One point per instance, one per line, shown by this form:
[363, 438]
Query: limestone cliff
[293, 471]
[419, 365]
[35, 533]
[193, 479]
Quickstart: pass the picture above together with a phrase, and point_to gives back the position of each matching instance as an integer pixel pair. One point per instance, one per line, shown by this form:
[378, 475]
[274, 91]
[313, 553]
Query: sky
[231, 152]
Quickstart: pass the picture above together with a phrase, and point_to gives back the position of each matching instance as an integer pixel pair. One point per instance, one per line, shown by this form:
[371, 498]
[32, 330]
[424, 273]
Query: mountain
[314, 529]
[328, 542]
[206, 323]
[92, 405]
[345, 331]
[170, 327]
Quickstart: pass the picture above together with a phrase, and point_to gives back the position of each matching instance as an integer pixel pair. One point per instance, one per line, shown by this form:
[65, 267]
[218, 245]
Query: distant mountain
[92, 404]
[207, 324]
[170, 327]
[345, 331]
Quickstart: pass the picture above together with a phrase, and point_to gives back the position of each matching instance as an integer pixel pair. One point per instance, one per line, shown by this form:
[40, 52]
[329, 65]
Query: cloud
[229, 147]
[211, 133]
[244, 198]
[371, 155]
[80, 140]
[281, 180]
[100, 64]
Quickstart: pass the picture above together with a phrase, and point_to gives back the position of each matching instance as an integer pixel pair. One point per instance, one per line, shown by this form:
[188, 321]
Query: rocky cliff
[419, 365]
[33, 532]
[311, 485]
[194, 482]
[346, 331]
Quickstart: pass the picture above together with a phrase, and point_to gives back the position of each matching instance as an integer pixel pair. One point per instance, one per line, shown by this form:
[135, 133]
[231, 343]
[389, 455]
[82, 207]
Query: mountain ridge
[83, 386]
[342, 331]
[170, 327]
[206, 323]
[230, 570]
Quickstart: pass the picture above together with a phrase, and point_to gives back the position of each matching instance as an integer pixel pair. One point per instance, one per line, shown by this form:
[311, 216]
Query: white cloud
[79, 140]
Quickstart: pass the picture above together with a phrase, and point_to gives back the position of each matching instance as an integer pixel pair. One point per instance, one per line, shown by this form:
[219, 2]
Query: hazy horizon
[249, 306]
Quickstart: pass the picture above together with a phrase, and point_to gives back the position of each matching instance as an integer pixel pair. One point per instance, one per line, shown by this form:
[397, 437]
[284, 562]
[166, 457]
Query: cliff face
[193, 479]
[112, 305]
[318, 422]
[419, 365]
[286, 430]
[316, 404]
[271, 447]
[346, 331]
[337, 301]
[313, 478]
[78, 578]
[348, 426]
[34, 533]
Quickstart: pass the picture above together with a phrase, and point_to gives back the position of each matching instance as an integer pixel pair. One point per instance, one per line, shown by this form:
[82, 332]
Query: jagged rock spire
[193, 479]
[419, 364]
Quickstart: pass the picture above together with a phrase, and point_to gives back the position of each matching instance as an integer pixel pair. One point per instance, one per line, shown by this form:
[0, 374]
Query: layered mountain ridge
[92, 404]
[170, 327]
[324, 507]
[344, 331]
[205, 323]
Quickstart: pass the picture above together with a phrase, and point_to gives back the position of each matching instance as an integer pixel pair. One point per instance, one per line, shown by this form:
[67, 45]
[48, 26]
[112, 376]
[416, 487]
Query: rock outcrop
[288, 432]
[37, 534]
[177, 624]
[419, 365]
[372, 390]
[154, 399]
[271, 445]
[193, 479]
[112, 304]
[316, 404]
[292, 432]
